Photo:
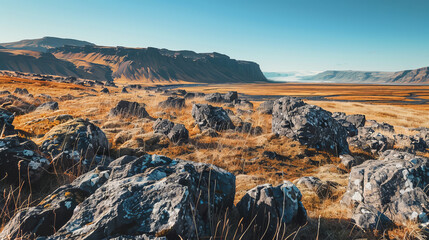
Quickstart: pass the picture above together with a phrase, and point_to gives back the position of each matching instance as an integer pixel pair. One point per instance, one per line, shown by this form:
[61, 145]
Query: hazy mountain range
[69, 57]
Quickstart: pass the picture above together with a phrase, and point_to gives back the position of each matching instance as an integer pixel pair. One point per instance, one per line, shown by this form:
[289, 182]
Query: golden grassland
[239, 153]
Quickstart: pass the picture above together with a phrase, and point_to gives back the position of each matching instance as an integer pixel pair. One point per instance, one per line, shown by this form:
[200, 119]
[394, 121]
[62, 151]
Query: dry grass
[239, 153]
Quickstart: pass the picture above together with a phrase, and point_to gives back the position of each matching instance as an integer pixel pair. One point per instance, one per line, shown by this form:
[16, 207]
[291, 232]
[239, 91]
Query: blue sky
[281, 35]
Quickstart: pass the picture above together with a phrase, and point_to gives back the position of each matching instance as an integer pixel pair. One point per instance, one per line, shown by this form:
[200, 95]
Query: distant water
[293, 76]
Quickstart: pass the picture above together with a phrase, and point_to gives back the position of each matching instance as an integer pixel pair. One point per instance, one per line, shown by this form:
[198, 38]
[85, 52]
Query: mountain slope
[416, 76]
[161, 65]
[46, 63]
[44, 44]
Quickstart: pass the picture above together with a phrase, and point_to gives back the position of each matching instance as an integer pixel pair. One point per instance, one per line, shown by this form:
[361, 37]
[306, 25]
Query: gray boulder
[207, 116]
[356, 119]
[392, 185]
[177, 133]
[342, 119]
[22, 91]
[266, 107]
[129, 109]
[48, 106]
[21, 158]
[77, 140]
[369, 218]
[214, 98]
[371, 141]
[173, 102]
[230, 96]
[380, 126]
[268, 205]
[105, 90]
[310, 125]
[151, 196]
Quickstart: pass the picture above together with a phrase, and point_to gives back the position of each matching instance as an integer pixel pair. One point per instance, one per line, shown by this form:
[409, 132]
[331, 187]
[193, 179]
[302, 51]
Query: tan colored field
[237, 152]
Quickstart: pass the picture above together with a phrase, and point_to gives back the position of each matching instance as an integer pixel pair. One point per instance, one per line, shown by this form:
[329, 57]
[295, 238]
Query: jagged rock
[48, 106]
[129, 109]
[214, 97]
[356, 119]
[177, 133]
[74, 141]
[380, 126]
[124, 90]
[190, 95]
[22, 91]
[368, 218]
[207, 116]
[105, 90]
[268, 205]
[4, 92]
[392, 185]
[342, 119]
[246, 127]
[348, 161]
[173, 102]
[6, 120]
[151, 196]
[409, 143]
[370, 141]
[21, 158]
[266, 107]
[230, 96]
[310, 125]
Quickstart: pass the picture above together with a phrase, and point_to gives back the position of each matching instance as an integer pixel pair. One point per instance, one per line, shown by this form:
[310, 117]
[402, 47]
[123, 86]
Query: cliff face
[417, 76]
[160, 65]
[46, 63]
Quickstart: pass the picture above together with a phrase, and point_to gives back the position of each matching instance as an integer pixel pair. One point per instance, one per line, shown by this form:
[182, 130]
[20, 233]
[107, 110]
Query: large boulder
[177, 133]
[393, 185]
[20, 159]
[151, 196]
[342, 119]
[228, 97]
[6, 120]
[207, 116]
[310, 125]
[173, 102]
[129, 109]
[76, 140]
[264, 206]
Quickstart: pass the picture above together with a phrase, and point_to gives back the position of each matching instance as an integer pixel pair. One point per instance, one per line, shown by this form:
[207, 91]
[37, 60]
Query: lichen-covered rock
[356, 119]
[342, 119]
[74, 141]
[409, 143]
[48, 106]
[369, 218]
[310, 125]
[266, 107]
[177, 133]
[173, 102]
[21, 158]
[207, 116]
[151, 196]
[380, 126]
[268, 205]
[129, 109]
[371, 141]
[6, 120]
[228, 97]
[348, 161]
[392, 185]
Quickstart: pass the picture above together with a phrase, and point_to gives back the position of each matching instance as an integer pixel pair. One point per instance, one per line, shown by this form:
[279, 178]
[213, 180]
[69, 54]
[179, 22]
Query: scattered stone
[267, 205]
[173, 102]
[274, 155]
[381, 126]
[52, 106]
[177, 133]
[22, 91]
[207, 116]
[105, 90]
[323, 189]
[310, 125]
[124, 90]
[129, 109]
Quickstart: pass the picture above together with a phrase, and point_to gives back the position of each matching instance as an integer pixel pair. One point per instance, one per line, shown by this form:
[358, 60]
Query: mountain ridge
[43, 44]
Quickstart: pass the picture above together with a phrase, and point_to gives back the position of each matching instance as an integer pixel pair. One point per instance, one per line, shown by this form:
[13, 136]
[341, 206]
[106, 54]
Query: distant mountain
[43, 44]
[416, 76]
[162, 65]
[46, 63]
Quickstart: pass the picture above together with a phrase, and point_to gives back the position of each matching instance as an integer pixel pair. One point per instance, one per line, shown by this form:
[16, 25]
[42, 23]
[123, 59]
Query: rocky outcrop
[267, 205]
[50, 106]
[371, 141]
[129, 109]
[393, 185]
[151, 196]
[43, 44]
[177, 133]
[207, 116]
[20, 159]
[75, 141]
[310, 125]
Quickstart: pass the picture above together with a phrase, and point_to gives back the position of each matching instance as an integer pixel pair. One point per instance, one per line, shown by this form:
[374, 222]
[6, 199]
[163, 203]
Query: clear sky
[280, 35]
